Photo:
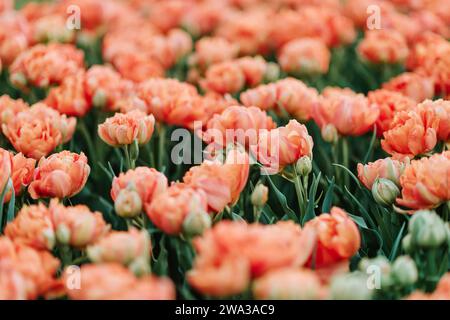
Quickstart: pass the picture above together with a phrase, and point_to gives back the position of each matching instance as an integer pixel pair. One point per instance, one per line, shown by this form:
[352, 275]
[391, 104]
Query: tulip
[260, 195]
[128, 203]
[6, 168]
[196, 223]
[383, 46]
[224, 77]
[61, 175]
[352, 286]
[33, 227]
[427, 229]
[22, 173]
[384, 191]
[412, 85]
[386, 168]
[77, 226]
[404, 271]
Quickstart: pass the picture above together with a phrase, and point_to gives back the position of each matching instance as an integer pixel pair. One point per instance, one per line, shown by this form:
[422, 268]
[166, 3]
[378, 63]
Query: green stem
[127, 157]
[345, 159]
[161, 147]
[87, 138]
[299, 190]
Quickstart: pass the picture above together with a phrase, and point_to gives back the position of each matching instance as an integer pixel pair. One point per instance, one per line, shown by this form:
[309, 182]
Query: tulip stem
[87, 138]
[161, 147]
[131, 164]
[301, 195]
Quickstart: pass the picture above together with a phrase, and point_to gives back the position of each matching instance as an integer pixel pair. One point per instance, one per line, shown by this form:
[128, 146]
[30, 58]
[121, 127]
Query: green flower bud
[63, 234]
[329, 133]
[407, 243]
[140, 266]
[381, 264]
[303, 167]
[259, 195]
[272, 72]
[18, 80]
[427, 229]
[134, 150]
[385, 192]
[128, 203]
[404, 271]
[350, 286]
[99, 99]
[196, 223]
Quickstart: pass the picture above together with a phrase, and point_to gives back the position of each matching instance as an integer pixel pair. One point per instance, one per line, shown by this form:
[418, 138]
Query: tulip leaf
[12, 201]
[310, 214]
[396, 245]
[283, 202]
[349, 172]
[161, 266]
[372, 142]
[328, 200]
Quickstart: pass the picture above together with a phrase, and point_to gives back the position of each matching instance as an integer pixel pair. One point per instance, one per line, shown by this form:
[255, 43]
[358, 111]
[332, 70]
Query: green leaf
[350, 173]
[363, 210]
[161, 266]
[358, 220]
[328, 200]
[283, 202]
[372, 141]
[12, 201]
[236, 217]
[310, 214]
[396, 245]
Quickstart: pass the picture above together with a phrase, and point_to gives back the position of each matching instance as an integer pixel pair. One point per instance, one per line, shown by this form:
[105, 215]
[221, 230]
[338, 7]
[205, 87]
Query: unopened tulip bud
[303, 167]
[49, 236]
[196, 223]
[427, 229]
[385, 192]
[260, 195]
[272, 72]
[63, 234]
[128, 203]
[404, 271]
[350, 286]
[379, 265]
[18, 80]
[329, 133]
[140, 266]
[99, 99]
[407, 243]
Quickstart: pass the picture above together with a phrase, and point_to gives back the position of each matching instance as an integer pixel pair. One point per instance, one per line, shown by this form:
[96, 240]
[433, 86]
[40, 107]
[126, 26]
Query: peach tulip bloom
[386, 168]
[254, 69]
[171, 101]
[148, 182]
[70, 97]
[77, 225]
[383, 46]
[33, 227]
[222, 182]
[427, 46]
[179, 43]
[5, 168]
[105, 87]
[169, 209]
[337, 238]
[305, 56]
[425, 183]
[263, 96]
[283, 146]
[123, 129]
[237, 124]
[122, 247]
[212, 50]
[9, 108]
[21, 174]
[14, 35]
[245, 251]
[137, 67]
[441, 109]
[350, 113]
[34, 137]
[412, 85]
[289, 284]
[224, 77]
[389, 103]
[412, 133]
[61, 175]
[34, 271]
[97, 284]
[43, 65]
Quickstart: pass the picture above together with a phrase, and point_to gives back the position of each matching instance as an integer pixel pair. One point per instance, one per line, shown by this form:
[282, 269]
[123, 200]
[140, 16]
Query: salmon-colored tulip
[61, 175]
[222, 182]
[289, 284]
[14, 35]
[305, 56]
[425, 182]
[350, 113]
[412, 85]
[254, 69]
[6, 168]
[337, 238]
[22, 173]
[10, 107]
[386, 168]
[70, 97]
[169, 209]
[224, 77]
[43, 65]
[211, 50]
[121, 246]
[123, 129]
[148, 182]
[76, 225]
[383, 46]
[389, 103]
[33, 227]
[441, 109]
[282, 146]
[412, 133]
[30, 273]
[96, 284]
